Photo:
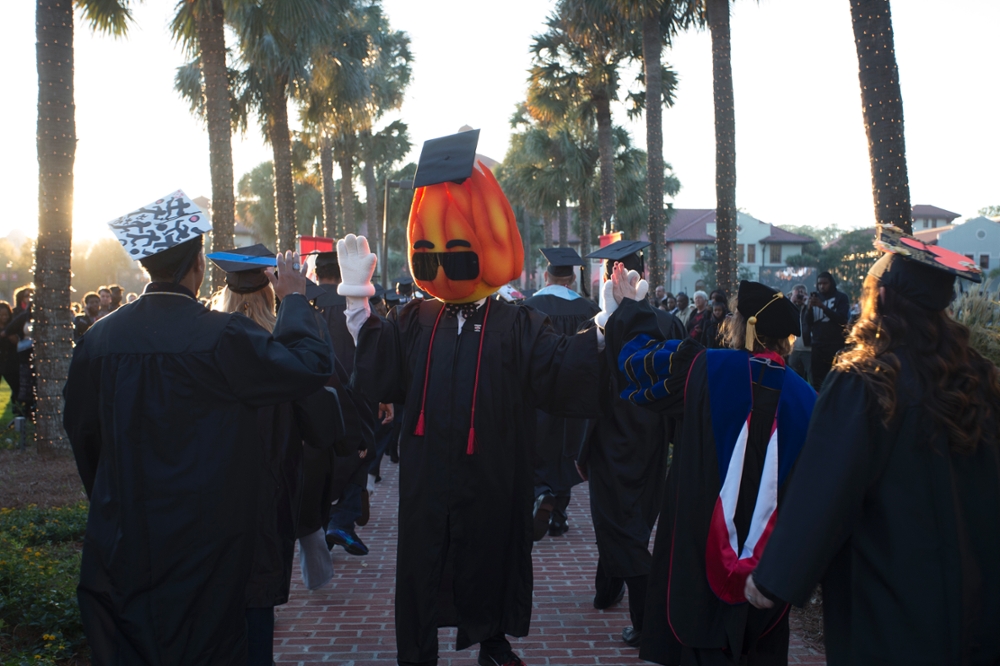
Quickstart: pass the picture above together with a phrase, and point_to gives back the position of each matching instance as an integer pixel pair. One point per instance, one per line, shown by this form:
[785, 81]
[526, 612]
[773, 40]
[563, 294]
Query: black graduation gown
[558, 440]
[316, 423]
[903, 534]
[686, 621]
[626, 462]
[471, 511]
[160, 410]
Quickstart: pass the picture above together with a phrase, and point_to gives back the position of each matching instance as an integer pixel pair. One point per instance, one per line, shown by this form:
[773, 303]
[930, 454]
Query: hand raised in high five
[627, 284]
[291, 276]
[357, 265]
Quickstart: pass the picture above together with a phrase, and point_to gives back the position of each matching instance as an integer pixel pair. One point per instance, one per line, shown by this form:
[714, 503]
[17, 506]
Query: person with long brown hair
[895, 502]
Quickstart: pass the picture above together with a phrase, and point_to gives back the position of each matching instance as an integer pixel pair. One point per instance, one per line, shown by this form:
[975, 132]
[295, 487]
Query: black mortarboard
[924, 274]
[561, 260]
[629, 252]
[767, 312]
[404, 286]
[448, 158]
[244, 267]
[326, 259]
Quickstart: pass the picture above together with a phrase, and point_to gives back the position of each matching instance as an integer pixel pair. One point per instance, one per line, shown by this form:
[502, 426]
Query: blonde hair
[258, 306]
[734, 330]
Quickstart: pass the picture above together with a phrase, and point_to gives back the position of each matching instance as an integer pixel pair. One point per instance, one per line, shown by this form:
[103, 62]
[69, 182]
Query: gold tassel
[751, 336]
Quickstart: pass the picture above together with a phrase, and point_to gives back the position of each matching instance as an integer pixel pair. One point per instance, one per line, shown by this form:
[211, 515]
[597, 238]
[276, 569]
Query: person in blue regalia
[743, 420]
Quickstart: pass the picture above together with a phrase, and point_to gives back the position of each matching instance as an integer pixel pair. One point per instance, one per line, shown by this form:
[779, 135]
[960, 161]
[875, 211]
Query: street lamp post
[399, 185]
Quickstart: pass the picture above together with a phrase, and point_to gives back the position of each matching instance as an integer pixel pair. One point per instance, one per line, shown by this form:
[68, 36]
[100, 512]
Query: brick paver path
[349, 622]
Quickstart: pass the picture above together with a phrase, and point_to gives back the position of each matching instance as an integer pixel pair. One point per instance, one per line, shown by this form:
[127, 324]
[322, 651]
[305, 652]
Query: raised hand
[357, 265]
[291, 276]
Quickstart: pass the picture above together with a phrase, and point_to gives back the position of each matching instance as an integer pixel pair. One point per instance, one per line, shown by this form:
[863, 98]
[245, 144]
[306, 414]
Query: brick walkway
[350, 621]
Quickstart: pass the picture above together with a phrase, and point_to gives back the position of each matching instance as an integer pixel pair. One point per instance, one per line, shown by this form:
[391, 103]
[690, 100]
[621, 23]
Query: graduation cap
[767, 312]
[404, 286]
[244, 267]
[924, 274]
[448, 158]
[159, 226]
[629, 252]
[561, 260]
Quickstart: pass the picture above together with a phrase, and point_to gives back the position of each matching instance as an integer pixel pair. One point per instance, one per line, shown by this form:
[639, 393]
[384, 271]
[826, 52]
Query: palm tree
[882, 104]
[200, 26]
[56, 147]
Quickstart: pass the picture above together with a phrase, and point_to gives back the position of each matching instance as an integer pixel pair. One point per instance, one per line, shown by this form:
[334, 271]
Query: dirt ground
[27, 478]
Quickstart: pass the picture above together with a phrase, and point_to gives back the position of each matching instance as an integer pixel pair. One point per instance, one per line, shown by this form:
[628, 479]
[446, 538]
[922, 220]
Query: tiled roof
[781, 236]
[689, 225]
[921, 211]
[930, 236]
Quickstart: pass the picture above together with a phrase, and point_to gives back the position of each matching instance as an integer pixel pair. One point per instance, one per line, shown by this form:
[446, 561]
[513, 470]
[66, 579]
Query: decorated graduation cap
[462, 236]
[561, 260]
[766, 312]
[244, 267]
[924, 274]
[628, 252]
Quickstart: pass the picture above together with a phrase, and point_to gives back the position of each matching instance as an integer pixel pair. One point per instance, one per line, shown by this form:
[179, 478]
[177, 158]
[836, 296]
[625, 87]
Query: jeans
[346, 512]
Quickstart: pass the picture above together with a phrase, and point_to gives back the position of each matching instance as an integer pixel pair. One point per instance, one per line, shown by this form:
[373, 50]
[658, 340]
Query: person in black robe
[625, 460]
[348, 473]
[160, 409]
[744, 419]
[895, 502]
[558, 440]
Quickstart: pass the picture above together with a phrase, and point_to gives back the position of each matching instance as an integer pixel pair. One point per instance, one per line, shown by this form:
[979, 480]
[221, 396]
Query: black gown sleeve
[289, 364]
[839, 462]
[380, 358]
[563, 370]
[320, 418]
[81, 415]
[653, 370]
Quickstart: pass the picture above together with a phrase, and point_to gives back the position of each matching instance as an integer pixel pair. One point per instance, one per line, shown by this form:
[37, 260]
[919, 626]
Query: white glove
[357, 265]
[608, 302]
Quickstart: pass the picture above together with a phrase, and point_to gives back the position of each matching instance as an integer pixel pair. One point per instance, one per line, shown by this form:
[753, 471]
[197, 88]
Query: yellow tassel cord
[751, 337]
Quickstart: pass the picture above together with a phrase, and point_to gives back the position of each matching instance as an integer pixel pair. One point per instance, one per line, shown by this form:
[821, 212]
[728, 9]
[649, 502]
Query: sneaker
[558, 527]
[506, 659]
[351, 542]
[631, 636]
[543, 511]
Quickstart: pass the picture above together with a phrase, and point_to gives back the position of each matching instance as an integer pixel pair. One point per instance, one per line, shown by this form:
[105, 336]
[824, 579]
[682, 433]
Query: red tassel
[419, 430]
[471, 448]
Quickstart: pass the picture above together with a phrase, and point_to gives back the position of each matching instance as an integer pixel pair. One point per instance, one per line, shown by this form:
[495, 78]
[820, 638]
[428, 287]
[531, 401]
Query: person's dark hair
[103, 288]
[116, 291]
[89, 295]
[328, 272]
[23, 294]
[829, 276]
[733, 332]
[173, 264]
[961, 388]
[5, 307]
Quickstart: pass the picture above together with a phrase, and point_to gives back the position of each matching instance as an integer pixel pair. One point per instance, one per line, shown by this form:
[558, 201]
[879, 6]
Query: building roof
[690, 225]
[921, 211]
[779, 235]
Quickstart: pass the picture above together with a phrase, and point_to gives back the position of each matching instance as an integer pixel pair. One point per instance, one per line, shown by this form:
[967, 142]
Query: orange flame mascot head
[463, 238]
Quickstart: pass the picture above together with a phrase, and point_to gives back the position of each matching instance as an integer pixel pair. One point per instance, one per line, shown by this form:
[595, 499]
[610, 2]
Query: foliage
[255, 202]
[16, 263]
[989, 211]
[823, 235]
[39, 568]
[103, 263]
[977, 309]
[848, 260]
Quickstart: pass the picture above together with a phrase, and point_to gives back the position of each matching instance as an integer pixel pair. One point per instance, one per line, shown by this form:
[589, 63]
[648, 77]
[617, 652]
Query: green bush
[39, 570]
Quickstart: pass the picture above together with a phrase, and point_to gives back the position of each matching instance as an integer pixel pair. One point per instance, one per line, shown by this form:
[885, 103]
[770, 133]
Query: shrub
[39, 570]
[976, 309]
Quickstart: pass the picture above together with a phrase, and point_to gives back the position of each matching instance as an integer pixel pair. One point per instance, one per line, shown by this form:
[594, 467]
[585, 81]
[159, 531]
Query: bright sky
[801, 151]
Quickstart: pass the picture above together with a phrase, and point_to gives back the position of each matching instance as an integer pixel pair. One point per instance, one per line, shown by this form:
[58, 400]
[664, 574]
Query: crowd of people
[211, 439]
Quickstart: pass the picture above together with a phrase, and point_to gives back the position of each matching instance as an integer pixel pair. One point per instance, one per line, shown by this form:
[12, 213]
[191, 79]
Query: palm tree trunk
[529, 263]
[882, 104]
[329, 190]
[56, 145]
[606, 149]
[652, 49]
[547, 230]
[563, 224]
[215, 82]
[371, 223]
[586, 230]
[725, 146]
[347, 190]
[284, 187]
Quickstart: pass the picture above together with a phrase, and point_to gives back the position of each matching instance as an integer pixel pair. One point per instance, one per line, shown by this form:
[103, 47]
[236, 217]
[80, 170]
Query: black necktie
[467, 309]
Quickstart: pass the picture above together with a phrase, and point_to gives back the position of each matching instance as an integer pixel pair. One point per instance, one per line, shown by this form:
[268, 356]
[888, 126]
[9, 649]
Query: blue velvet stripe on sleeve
[645, 362]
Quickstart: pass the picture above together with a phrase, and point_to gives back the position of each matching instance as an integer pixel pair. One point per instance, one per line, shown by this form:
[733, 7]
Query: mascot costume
[471, 371]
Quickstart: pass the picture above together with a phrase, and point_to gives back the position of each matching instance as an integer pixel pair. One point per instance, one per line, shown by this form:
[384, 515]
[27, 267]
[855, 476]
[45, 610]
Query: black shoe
[601, 602]
[351, 542]
[558, 528]
[631, 636]
[506, 659]
[543, 511]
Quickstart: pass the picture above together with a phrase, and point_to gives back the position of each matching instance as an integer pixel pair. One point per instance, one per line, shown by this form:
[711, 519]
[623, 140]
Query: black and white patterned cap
[159, 226]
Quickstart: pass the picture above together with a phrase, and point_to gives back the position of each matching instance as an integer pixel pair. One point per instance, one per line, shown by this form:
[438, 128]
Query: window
[740, 250]
[984, 262]
[970, 258]
[927, 224]
[775, 253]
[751, 254]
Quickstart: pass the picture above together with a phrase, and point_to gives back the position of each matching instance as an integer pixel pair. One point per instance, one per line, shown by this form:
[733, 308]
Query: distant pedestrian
[800, 359]
[827, 321]
[105, 295]
[91, 309]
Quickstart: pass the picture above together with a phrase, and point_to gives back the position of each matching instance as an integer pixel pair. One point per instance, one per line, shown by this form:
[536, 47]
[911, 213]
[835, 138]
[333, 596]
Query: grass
[9, 438]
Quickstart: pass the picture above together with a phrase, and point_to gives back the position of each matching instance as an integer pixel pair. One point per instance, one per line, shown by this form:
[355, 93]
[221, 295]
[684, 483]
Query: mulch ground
[350, 621]
[28, 478]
